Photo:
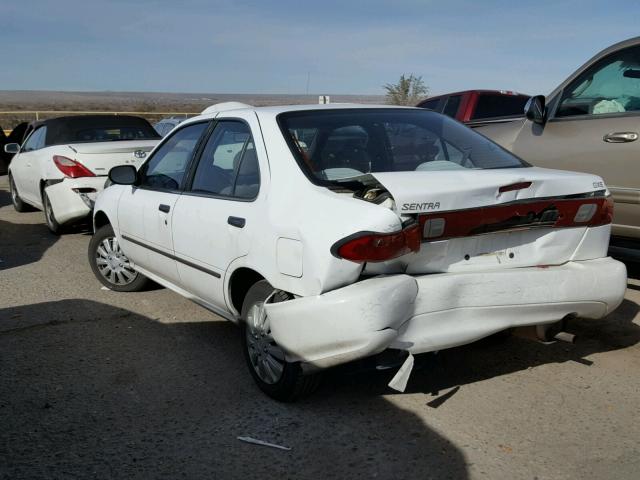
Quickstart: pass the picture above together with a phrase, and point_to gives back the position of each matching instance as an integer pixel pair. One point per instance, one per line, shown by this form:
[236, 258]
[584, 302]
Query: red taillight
[71, 168]
[378, 247]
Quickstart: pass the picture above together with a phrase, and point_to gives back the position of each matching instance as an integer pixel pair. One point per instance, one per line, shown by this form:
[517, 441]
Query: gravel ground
[98, 384]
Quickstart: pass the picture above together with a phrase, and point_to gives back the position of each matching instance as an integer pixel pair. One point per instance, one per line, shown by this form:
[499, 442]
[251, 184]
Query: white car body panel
[432, 312]
[422, 302]
[34, 169]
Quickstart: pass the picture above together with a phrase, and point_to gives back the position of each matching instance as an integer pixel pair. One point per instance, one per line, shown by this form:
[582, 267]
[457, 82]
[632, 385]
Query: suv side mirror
[12, 148]
[124, 175]
[535, 110]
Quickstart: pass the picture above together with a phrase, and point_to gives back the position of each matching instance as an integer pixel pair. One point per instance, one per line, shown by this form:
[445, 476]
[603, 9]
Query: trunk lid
[100, 157]
[495, 219]
[434, 191]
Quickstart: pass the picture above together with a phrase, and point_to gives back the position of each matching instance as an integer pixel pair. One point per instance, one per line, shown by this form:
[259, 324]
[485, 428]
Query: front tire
[110, 265]
[281, 380]
[17, 202]
[49, 216]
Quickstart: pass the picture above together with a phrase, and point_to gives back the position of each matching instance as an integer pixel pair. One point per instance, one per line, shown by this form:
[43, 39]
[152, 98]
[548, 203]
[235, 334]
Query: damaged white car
[63, 163]
[331, 233]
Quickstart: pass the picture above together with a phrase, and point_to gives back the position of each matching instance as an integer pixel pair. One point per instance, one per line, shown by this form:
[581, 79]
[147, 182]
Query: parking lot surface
[99, 384]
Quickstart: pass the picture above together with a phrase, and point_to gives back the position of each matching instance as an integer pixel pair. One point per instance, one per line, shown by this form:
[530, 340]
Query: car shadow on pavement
[5, 197]
[23, 243]
[91, 390]
[505, 354]
[633, 272]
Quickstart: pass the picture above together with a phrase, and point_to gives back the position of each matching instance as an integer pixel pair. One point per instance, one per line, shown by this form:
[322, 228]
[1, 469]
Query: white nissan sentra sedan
[331, 233]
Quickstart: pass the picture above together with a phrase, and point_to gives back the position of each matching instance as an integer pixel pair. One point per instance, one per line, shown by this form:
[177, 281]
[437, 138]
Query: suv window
[35, 140]
[166, 168]
[494, 105]
[431, 104]
[612, 85]
[228, 165]
[451, 108]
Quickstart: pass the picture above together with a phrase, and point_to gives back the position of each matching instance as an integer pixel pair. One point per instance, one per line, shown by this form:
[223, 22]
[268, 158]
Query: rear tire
[110, 265]
[281, 380]
[18, 204]
[49, 215]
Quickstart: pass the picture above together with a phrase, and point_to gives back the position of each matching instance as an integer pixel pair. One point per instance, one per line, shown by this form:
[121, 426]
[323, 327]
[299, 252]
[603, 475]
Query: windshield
[332, 145]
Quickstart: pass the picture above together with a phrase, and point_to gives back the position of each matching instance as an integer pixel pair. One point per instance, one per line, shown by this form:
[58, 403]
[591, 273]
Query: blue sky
[270, 47]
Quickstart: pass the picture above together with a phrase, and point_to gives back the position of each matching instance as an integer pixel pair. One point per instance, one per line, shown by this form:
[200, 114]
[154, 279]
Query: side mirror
[535, 110]
[123, 175]
[12, 148]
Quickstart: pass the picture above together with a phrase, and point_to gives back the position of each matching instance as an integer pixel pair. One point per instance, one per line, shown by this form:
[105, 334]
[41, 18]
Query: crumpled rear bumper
[69, 202]
[432, 312]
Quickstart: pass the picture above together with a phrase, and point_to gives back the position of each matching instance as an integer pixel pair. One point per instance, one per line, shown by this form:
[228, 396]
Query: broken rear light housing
[71, 168]
[378, 247]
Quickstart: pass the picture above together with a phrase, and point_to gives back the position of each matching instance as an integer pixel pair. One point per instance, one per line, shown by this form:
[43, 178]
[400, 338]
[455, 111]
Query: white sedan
[331, 233]
[64, 161]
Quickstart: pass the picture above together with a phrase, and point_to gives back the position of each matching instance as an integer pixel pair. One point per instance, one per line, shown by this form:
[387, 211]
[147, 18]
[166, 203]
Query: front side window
[334, 145]
[166, 168]
[35, 140]
[610, 86]
[228, 165]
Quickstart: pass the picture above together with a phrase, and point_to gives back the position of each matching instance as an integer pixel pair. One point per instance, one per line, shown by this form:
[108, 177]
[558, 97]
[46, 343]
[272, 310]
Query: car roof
[274, 110]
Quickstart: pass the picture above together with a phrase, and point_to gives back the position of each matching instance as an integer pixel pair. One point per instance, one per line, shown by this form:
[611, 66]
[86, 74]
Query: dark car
[478, 105]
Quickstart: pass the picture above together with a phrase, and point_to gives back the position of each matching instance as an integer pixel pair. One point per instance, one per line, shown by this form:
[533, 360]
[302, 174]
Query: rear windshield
[332, 145]
[494, 105]
[97, 128]
[111, 134]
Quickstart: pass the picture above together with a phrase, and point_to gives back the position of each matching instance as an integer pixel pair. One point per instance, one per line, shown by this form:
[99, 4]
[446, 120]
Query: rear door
[217, 211]
[145, 211]
[594, 127]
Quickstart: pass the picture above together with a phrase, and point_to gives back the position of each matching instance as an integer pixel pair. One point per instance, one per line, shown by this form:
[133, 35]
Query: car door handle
[164, 208]
[620, 137]
[236, 222]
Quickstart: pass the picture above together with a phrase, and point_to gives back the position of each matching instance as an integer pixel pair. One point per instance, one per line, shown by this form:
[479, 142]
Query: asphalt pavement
[99, 384]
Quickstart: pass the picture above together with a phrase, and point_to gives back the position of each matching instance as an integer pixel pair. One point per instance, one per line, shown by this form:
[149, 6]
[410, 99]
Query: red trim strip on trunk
[549, 213]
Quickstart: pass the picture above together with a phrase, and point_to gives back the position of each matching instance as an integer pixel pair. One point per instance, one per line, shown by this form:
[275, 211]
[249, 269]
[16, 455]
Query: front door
[218, 209]
[26, 169]
[145, 211]
[594, 127]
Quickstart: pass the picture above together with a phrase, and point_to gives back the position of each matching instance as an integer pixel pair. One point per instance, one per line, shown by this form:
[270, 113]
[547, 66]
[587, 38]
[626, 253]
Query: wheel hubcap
[266, 357]
[112, 263]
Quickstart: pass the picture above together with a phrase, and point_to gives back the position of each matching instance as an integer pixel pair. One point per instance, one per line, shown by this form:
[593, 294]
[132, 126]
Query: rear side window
[228, 165]
[493, 105]
[431, 104]
[453, 103]
[165, 170]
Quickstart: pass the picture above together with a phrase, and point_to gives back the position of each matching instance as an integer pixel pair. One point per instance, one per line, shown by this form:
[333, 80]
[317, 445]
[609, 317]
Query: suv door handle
[236, 222]
[164, 208]
[620, 137]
